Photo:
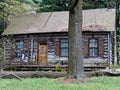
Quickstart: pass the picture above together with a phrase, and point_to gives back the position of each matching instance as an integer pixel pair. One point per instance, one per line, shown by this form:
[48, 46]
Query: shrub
[59, 68]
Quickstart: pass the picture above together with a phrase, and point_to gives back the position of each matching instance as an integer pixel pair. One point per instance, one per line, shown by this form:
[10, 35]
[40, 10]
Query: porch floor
[47, 67]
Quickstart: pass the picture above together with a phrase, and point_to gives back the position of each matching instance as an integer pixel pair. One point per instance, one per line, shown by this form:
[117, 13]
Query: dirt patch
[71, 80]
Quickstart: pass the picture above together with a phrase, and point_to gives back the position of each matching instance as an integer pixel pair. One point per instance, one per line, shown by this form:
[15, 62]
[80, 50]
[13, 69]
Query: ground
[93, 83]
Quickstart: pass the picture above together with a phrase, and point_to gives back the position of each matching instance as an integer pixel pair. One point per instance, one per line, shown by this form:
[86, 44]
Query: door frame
[44, 43]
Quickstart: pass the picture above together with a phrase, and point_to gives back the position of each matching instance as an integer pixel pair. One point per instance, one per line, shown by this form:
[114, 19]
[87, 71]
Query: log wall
[30, 47]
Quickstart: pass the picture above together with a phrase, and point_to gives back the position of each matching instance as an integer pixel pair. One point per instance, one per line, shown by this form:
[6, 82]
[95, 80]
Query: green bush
[59, 68]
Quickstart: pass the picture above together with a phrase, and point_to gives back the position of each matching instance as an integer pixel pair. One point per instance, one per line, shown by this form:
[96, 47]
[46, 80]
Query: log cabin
[42, 38]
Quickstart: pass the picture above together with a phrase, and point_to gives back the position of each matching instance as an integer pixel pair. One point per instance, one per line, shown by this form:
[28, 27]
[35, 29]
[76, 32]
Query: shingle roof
[93, 20]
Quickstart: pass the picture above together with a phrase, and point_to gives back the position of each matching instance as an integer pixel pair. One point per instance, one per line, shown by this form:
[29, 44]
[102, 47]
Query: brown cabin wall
[104, 48]
[101, 44]
[31, 47]
[31, 41]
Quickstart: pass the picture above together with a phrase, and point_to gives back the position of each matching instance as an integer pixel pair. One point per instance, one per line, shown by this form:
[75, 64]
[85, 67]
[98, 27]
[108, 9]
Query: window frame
[60, 48]
[95, 48]
[19, 49]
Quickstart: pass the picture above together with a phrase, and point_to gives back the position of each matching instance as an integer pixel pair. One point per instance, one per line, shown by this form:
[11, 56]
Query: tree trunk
[75, 63]
[117, 28]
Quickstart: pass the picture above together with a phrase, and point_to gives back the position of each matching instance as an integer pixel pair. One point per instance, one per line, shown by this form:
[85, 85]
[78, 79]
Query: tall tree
[75, 63]
[10, 8]
[118, 30]
[52, 5]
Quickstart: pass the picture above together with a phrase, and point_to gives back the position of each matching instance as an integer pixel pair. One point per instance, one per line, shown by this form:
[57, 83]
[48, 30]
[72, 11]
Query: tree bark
[75, 63]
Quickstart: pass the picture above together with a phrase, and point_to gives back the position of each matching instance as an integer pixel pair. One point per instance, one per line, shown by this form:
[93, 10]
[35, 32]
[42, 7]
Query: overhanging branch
[73, 5]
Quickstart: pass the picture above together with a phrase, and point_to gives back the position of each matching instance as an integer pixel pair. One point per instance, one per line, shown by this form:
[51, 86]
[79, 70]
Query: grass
[115, 66]
[94, 83]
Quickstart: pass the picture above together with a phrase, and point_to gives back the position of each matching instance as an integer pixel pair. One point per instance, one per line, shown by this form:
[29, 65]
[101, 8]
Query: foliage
[94, 83]
[118, 12]
[52, 5]
[29, 2]
[9, 8]
[118, 33]
[59, 68]
[118, 30]
[92, 4]
[87, 5]
[63, 5]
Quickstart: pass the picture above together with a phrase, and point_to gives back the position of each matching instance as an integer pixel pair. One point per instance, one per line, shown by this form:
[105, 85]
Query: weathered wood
[51, 68]
[26, 74]
[10, 75]
[39, 74]
[109, 72]
[53, 41]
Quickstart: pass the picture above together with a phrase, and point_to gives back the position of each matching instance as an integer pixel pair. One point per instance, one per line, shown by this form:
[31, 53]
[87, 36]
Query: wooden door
[42, 53]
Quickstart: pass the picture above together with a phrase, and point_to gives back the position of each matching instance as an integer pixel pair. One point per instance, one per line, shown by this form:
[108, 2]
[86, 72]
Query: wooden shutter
[101, 46]
[57, 47]
[85, 47]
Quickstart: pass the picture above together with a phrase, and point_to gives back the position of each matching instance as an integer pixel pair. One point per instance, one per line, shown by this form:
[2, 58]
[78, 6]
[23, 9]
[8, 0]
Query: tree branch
[73, 5]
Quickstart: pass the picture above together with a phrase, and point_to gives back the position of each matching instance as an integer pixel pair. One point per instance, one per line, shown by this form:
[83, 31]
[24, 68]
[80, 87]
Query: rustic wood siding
[7, 50]
[57, 46]
[101, 46]
[85, 46]
[31, 46]
[51, 50]
[106, 49]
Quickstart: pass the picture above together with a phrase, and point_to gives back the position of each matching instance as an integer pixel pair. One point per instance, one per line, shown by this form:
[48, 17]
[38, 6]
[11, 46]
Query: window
[93, 47]
[64, 47]
[19, 48]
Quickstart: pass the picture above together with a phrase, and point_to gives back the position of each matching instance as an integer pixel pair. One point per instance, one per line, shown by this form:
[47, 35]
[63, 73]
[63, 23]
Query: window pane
[64, 52]
[19, 48]
[19, 44]
[64, 47]
[93, 40]
[64, 40]
[93, 47]
[93, 52]
[64, 44]
[93, 44]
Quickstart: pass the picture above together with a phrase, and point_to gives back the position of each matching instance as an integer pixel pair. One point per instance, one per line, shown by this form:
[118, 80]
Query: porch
[58, 66]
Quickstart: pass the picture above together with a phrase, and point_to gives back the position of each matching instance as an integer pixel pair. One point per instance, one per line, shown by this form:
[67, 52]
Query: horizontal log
[37, 74]
[26, 74]
[108, 72]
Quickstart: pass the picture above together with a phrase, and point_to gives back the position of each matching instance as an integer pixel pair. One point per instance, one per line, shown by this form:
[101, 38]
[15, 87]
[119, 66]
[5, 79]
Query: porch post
[115, 50]
[4, 48]
[31, 48]
[115, 44]
[109, 49]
